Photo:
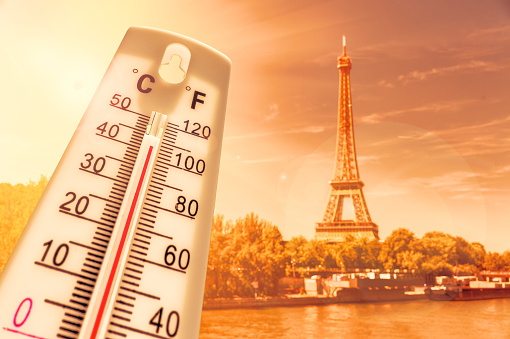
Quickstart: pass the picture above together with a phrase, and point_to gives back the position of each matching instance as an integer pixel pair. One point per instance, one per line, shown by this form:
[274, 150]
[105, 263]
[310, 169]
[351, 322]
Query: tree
[16, 206]
[358, 252]
[242, 253]
[494, 262]
[399, 251]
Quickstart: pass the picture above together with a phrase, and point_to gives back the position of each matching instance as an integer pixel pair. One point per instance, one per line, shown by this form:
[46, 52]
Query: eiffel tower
[346, 187]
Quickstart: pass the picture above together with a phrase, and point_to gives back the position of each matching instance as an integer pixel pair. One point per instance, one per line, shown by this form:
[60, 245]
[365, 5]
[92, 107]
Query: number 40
[172, 322]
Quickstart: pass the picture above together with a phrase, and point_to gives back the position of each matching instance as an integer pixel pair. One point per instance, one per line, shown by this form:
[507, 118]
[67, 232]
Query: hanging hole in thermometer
[174, 64]
[117, 246]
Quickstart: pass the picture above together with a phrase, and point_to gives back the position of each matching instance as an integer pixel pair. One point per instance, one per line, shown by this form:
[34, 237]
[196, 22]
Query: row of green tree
[249, 255]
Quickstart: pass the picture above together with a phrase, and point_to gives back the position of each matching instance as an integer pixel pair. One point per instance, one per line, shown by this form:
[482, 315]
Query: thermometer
[117, 246]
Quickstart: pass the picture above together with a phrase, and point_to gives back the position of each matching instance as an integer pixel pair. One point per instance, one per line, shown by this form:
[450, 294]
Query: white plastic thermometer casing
[117, 246]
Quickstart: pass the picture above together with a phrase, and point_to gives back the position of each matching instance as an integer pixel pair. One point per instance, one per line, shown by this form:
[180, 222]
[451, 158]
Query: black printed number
[81, 204]
[197, 129]
[182, 261]
[96, 165]
[111, 131]
[172, 322]
[190, 164]
[60, 255]
[191, 208]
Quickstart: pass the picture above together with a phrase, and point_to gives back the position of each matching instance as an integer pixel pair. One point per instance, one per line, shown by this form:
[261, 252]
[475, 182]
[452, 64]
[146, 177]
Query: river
[411, 319]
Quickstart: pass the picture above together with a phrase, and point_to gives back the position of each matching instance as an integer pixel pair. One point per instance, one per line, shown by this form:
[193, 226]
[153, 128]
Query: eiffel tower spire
[346, 186]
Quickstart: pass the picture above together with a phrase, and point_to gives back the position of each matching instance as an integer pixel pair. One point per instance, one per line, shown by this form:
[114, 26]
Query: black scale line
[81, 296]
[122, 310]
[79, 303]
[100, 175]
[65, 336]
[123, 335]
[153, 196]
[120, 318]
[98, 244]
[103, 240]
[164, 159]
[133, 270]
[161, 265]
[161, 170]
[141, 293]
[128, 156]
[146, 212]
[68, 307]
[84, 246]
[140, 246]
[105, 199]
[132, 263]
[154, 201]
[110, 219]
[155, 233]
[119, 160]
[136, 330]
[105, 229]
[139, 252]
[144, 224]
[124, 303]
[167, 144]
[82, 290]
[136, 139]
[148, 220]
[115, 193]
[127, 166]
[168, 150]
[121, 190]
[164, 185]
[160, 161]
[88, 272]
[142, 241]
[123, 176]
[92, 266]
[162, 152]
[71, 323]
[97, 256]
[109, 215]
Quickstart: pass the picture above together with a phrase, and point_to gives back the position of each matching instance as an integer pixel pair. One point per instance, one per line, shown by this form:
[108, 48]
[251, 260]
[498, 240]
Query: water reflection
[417, 319]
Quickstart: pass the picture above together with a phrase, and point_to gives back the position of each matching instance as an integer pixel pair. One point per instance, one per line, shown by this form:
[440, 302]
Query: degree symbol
[188, 88]
[135, 70]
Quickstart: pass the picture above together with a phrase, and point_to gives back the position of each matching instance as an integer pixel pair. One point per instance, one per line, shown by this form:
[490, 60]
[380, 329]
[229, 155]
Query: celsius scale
[118, 245]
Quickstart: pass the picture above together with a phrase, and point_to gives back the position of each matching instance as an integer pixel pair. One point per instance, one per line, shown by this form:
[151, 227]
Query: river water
[410, 319]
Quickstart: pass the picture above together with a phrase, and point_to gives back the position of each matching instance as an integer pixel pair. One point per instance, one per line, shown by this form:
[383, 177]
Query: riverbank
[292, 300]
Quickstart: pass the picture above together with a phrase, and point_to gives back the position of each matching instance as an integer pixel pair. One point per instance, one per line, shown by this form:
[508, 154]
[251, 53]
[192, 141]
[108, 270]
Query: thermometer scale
[117, 246]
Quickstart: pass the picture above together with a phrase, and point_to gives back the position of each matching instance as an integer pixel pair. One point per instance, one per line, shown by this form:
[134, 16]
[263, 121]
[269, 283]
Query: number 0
[25, 311]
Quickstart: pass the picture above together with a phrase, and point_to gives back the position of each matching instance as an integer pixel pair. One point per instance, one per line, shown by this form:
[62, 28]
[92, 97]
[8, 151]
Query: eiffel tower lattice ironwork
[346, 186]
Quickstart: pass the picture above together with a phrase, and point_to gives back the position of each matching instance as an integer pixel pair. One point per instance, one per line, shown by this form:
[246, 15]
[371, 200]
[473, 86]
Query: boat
[374, 287]
[486, 285]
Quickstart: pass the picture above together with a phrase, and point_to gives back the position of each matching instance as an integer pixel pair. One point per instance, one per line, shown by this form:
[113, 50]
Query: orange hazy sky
[431, 101]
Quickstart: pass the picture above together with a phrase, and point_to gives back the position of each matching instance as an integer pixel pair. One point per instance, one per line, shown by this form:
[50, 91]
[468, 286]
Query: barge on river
[487, 285]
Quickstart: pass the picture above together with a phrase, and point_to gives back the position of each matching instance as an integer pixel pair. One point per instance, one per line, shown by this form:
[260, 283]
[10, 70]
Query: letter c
[140, 83]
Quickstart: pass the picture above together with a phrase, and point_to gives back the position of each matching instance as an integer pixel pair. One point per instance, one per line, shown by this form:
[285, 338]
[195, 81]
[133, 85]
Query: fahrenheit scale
[117, 246]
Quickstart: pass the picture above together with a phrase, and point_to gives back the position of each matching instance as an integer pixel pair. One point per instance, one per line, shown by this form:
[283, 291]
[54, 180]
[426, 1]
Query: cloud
[274, 111]
[386, 84]
[307, 129]
[440, 71]
[491, 32]
[440, 106]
